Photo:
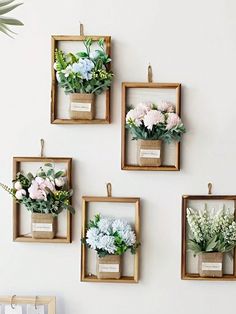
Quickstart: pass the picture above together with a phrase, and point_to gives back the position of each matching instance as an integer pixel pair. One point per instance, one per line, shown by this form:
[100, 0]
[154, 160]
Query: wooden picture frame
[17, 237]
[124, 279]
[125, 88]
[194, 276]
[50, 302]
[55, 39]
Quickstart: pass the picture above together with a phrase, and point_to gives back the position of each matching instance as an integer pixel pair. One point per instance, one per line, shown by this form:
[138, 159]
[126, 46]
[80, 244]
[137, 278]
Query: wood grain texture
[85, 277]
[55, 39]
[17, 237]
[125, 88]
[193, 276]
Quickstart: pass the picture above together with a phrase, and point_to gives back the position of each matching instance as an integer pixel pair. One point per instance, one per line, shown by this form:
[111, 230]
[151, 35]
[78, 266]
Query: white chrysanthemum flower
[92, 237]
[128, 237]
[120, 225]
[105, 225]
[106, 243]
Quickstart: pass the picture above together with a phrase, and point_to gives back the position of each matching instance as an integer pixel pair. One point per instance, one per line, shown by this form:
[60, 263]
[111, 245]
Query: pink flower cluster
[39, 188]
[152, 115]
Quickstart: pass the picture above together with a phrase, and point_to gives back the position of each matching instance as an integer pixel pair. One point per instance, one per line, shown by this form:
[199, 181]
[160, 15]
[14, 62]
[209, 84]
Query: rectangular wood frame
[49, 301]
[123, 279]
[125, 87]
[17, 237]
[194, 276]
[55, 39]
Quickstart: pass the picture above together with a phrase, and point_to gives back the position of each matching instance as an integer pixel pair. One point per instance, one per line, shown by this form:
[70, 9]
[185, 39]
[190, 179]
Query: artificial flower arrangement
[151, 125]
[45, 195]
[110, 238]
[83, 76]
[211, 234]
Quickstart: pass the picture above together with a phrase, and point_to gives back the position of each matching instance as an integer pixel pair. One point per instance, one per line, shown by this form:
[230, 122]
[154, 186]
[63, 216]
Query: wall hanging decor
[29, 305]
[81, 79]
[41, 194]
[151, 125]
[208, 237]
[110, 239]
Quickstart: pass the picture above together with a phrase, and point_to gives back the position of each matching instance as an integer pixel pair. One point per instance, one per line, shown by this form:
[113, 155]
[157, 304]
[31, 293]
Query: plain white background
[186, 41]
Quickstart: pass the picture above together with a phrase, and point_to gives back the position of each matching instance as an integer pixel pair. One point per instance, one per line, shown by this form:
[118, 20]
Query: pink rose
[153, 117]
[134, 116]
[166, 106]
[38, 191]
[172, 120]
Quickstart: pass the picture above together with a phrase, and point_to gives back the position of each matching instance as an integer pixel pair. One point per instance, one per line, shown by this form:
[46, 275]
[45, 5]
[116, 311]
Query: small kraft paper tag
[17, 309]
[79, 106]
[109, 268]
[150, 153]
[32, 310]
[47, 227]
[212, 266]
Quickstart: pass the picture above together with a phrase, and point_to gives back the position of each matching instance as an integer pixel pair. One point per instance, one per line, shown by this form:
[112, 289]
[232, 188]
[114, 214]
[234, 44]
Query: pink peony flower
[153, 117]
[166, 106]
[172, 120]
[134, 116]
[20, 193]
[37, 190]
[144, 107]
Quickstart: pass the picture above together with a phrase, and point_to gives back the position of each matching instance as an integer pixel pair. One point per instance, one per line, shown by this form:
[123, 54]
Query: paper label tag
[109, 268]
[32, 310]
[42, 227]
[150, 153]
[80, 106]
[17, 309]
[212, 266]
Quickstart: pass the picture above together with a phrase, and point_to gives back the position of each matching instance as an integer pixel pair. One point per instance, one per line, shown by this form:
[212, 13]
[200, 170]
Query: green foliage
[158, 132]
[211, 232]
[96, 79]
[5, 7]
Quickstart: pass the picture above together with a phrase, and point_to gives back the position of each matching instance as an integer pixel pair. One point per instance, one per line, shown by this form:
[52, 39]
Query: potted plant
[110, 238]
[211, 235]
[45, 195]
[83, 76]
[150, 125]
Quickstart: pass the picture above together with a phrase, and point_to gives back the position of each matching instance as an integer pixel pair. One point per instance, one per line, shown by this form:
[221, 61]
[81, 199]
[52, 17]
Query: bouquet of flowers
[45, 193]
[148, 121]
[211, 231]
[85, 71]
[109, 236]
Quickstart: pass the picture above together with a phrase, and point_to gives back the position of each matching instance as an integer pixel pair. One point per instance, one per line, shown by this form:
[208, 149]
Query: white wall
[186, 41]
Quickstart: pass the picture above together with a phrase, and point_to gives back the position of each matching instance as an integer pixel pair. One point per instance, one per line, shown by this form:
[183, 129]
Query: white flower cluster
[205, 225]
[103, 236]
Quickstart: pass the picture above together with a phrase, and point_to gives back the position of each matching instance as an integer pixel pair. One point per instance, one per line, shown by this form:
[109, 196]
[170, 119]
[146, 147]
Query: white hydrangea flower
[106, 243]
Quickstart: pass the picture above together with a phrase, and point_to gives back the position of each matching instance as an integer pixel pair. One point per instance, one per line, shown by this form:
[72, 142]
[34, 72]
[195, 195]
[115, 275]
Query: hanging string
[149, 73]
[109, 189]
[42, 147]
[209, 188]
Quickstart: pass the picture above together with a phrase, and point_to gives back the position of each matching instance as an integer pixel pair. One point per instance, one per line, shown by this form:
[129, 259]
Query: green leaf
[59, 174]
[5, 2]
[9, 9]
[10, 21]
[193, 246]
[211, 244]
[48, 165]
